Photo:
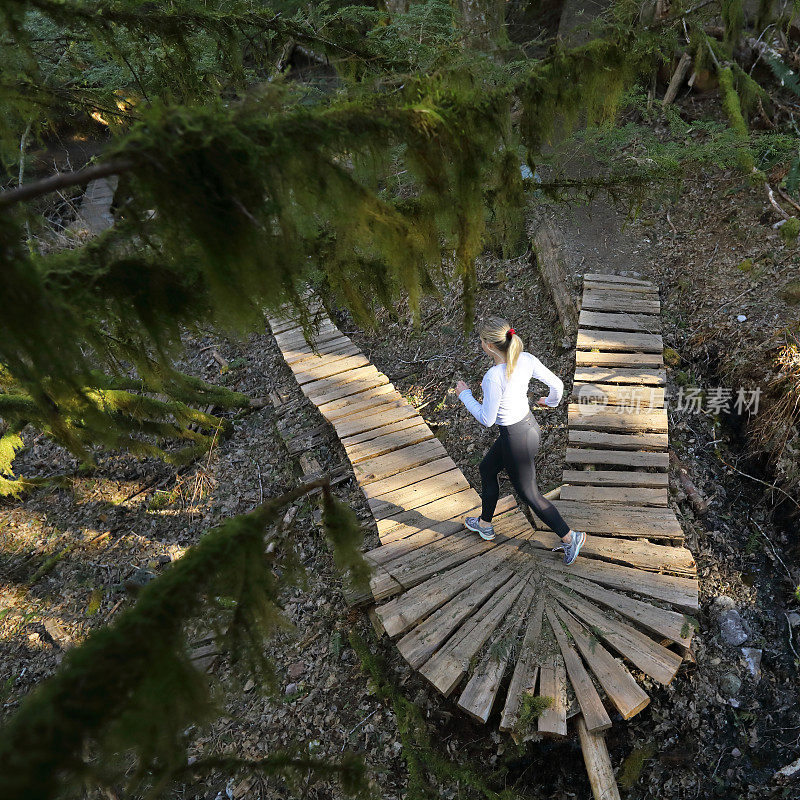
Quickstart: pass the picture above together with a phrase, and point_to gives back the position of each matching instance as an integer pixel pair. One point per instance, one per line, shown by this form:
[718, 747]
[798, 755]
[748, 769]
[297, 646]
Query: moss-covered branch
[130, 688]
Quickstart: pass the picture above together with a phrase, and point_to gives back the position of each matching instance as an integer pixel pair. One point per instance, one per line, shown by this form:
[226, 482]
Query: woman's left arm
[543, 374]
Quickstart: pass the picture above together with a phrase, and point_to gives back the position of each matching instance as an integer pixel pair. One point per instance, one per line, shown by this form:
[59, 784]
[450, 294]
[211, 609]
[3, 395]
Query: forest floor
[73, 558]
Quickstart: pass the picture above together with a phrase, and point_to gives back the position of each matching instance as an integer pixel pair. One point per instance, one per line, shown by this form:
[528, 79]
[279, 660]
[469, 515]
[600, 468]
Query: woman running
[505, 401]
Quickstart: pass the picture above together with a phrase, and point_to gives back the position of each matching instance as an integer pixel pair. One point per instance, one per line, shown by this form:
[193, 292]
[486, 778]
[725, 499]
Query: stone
[794, 619]
[730, 684]
[752, 657]
[722, 603]
[732, 628]
[291, 689]
[296, 670]
[736, 752]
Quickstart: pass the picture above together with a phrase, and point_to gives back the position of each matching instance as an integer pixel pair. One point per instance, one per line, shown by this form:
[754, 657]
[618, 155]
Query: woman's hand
[460, 387]
[541, 402]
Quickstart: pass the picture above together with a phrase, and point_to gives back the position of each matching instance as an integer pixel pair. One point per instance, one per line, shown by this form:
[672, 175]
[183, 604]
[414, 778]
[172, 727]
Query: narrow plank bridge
[467, 613]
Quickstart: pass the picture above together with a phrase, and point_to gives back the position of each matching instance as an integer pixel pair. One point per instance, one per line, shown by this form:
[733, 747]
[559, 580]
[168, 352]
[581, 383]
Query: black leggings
[514, 451]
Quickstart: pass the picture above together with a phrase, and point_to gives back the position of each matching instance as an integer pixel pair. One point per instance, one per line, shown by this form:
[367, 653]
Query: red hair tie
[509, 333]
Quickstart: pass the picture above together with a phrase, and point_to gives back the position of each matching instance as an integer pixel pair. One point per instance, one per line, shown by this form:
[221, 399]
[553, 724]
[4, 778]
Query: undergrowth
[427, 765]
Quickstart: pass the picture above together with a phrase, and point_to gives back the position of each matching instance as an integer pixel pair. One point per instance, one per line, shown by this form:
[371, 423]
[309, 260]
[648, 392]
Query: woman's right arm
[486, 412]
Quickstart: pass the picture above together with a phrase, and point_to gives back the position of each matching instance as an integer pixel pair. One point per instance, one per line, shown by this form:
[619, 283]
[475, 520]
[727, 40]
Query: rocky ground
[73, 558]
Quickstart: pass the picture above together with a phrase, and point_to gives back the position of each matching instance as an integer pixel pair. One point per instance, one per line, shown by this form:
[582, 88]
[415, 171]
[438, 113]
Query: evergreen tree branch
[63, 180]
[131, 687]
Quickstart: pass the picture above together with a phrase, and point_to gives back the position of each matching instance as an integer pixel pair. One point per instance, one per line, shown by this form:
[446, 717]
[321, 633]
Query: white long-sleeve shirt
[506, 401]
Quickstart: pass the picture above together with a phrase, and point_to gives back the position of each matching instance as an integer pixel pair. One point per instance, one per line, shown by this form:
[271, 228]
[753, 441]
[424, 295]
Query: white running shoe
[484, 532]
[572, 548]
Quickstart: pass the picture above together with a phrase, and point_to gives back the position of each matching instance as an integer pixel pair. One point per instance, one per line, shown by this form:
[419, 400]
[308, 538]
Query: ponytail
[498, 332]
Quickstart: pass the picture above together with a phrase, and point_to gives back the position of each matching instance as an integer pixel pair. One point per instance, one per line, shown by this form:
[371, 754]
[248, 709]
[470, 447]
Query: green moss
[632, 766]
[746, 265]
[671, 357]
[531, 708]
[790, 230]
[791, 292]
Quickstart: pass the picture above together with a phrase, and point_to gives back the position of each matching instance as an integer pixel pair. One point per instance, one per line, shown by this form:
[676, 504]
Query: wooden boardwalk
[492, 622]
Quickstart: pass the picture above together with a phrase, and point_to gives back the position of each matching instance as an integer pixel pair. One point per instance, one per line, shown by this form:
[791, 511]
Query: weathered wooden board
[553, 684]
[620, 686]
[601, 300]
[621, 375]
[634, 397]
[630, 495]
[592, 708]
[611, 477]
[523, 681]
[618, 341]
[608, 277]
[645, 323]
[623, 458]
[605, 358]
[600, 418]
[618, 441]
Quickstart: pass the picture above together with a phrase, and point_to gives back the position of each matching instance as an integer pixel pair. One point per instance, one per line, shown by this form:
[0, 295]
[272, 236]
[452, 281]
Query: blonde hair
[495, 330]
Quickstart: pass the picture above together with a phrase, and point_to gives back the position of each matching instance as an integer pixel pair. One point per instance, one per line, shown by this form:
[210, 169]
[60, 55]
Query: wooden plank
[346, 390]
[439, 553]
[648, 292]
[650, 657]
[523, 681]
[327, 332]
[327, 351]
[419, 644]
[630, 552]
[553, 684]
[627, 696]
[323, 386]
[412, 476]
[306, 372]
[616, 341]
[479, 694]
[611, 520]
[607, 277]
[672, 625]
[630, 495]
[612, 477]
[403, 613]
[404, 523]
[374, 469]
[598, 763]
[450, 664]
[372, 418]
[404, 423]
[644, 323]
[394, 441]
[621, 375]
[449, 552]
[418, 494]
[680, 592]
[599, 300]
[619, 441]
[598, 358]
[596, 418]
[594, 712]
[610, 394]
[624, 458]
[381, 395]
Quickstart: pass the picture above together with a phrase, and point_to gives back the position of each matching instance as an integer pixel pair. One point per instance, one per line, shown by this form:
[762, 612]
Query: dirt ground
[73, 558]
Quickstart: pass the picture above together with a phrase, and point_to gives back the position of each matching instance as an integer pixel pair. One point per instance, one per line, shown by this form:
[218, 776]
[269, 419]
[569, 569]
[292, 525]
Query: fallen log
[696, 498]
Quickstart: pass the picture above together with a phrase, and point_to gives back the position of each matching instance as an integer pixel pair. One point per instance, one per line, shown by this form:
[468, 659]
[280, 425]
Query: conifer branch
[131, 687]
[63, 180]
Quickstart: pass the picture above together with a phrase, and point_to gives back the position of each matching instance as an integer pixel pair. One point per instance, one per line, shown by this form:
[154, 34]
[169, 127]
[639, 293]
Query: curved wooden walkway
[466, 613]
